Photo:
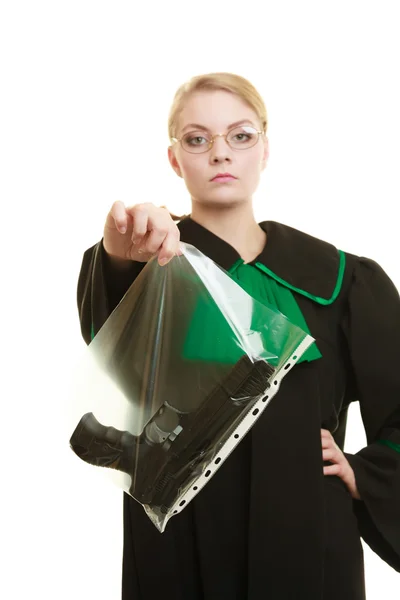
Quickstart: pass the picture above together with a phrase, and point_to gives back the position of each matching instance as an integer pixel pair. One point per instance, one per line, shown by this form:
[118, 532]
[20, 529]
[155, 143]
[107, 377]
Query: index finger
[116, 216]
[119, 215]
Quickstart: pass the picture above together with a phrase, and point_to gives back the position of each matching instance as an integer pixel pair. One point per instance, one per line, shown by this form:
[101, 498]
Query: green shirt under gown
[210, 337]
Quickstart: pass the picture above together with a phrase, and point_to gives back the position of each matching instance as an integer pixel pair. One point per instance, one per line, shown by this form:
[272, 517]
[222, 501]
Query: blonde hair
[229, 82]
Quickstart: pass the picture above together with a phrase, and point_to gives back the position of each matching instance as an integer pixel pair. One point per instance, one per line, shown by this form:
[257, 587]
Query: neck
[235, 225]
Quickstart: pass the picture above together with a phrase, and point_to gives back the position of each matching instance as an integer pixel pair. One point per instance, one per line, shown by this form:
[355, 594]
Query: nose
[220, 149]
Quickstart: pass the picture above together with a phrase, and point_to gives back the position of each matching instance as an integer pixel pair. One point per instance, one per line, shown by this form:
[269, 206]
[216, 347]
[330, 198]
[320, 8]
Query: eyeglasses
[239, 138]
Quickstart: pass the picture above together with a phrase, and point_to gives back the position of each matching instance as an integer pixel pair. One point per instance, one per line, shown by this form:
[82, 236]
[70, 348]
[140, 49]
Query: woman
[282, 517]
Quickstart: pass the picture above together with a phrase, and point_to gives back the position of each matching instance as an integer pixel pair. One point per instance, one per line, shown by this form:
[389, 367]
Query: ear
[173, 161]
[265, 152]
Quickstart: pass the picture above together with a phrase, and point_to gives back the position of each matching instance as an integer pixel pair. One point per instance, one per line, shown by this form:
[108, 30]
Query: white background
[85, 93]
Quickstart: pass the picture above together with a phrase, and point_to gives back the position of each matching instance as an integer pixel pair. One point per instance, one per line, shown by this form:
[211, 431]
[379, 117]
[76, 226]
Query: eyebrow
[197, 126]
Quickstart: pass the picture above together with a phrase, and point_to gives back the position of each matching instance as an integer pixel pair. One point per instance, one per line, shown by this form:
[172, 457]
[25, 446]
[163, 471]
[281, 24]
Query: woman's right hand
[139, 232]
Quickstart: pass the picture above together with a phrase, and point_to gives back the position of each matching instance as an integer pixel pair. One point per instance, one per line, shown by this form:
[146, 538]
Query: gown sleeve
[100, 288]
[372, 328]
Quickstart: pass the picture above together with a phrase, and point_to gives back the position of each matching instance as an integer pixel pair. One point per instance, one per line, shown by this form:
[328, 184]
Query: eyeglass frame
[225, 135]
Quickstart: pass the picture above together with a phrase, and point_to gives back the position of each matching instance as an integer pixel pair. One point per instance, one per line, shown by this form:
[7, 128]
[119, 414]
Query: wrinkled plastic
[179, 372]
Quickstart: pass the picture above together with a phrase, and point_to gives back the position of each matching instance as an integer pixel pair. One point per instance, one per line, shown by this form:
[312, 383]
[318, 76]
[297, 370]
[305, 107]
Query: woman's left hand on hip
[341, 466]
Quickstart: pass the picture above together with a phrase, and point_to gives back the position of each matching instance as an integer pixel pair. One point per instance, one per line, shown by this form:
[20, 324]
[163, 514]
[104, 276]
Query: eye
[245, 134]
[189, 140]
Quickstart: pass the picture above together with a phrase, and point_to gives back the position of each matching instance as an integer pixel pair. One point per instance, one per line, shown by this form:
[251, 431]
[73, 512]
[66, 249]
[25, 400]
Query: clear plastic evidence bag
[177, 375]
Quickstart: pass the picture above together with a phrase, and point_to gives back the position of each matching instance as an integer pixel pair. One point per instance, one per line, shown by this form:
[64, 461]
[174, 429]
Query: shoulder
[293, 234]
[292, 242]
[369, 281]
[313, 266]
[317, 267]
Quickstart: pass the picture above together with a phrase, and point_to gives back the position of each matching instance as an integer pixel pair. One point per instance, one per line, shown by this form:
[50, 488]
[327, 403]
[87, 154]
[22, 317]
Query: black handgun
[168, 455]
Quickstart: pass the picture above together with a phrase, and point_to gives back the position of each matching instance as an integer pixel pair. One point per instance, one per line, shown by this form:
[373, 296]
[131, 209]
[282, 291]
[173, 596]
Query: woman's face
[217, 110]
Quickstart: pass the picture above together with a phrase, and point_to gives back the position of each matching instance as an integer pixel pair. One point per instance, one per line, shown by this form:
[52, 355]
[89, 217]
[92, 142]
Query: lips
[223, 176]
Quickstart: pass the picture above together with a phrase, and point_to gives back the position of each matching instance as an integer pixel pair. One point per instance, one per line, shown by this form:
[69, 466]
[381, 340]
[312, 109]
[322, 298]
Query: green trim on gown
[390, 444]
[318, 299]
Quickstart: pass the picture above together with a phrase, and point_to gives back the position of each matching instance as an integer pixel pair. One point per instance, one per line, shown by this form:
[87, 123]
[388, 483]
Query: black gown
[270, 524]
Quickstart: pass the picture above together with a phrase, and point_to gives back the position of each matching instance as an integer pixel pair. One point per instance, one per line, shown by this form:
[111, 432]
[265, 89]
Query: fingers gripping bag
[178, 374]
